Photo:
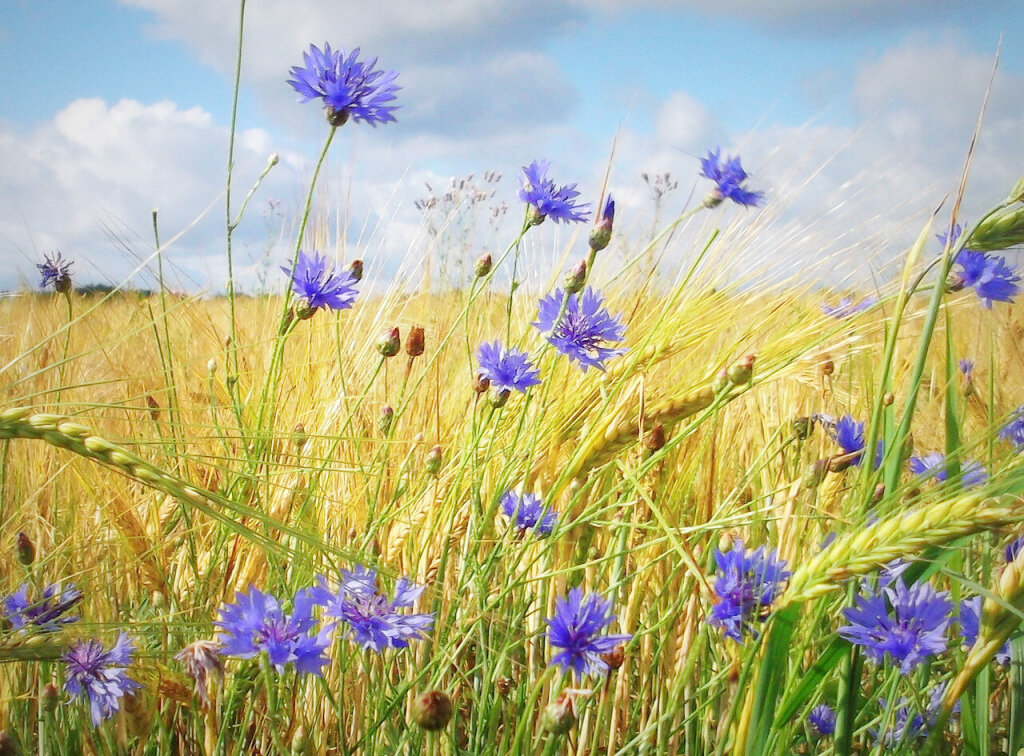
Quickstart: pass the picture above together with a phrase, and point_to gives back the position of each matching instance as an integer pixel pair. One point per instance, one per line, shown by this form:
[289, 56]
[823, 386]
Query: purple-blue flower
[528, 512]
[318, 285]
[992, 279]
[256, 623]
[1013, 548]
[100, 675]
[970, 624]
[548, 200]
[846, 307]
[908, 624]
[910, 723]
[374, 620]
[506, 369]
[1013, 429]
[849, 434]
[728, 177]
[746, 585]
[583, 329]
[966, 367]
[934, 465]
[56, 271]
[576, 629]
[349, 87]
[822, 721]
[44, 614]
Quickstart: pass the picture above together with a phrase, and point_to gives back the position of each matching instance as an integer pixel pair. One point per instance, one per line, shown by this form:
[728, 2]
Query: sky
[853, 117]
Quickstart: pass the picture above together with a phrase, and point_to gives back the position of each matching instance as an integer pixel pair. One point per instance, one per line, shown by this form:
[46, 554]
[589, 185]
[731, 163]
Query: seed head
[433, 461]
[483, 266]
[26, 549]
[390, 342]
[432, 710]
[414, 345]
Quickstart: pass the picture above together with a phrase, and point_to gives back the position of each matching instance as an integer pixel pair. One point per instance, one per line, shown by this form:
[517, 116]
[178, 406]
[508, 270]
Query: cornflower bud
[655, 438]
[49, 698]
[888, 398]
[483, 266]
[355, 269]
[299, 436]
[26, 549]
[815, 473]
[802, 427]
[559, 715]
[742, 371]
[387, 417]
[615, 657]
[433, 461]
[481, 383]
[602, 233]
[577, 278]
[499, 398]
[300, 742]
[154, 407]
[721, 381]
[390, 342]
[414, 345]
[432, 710]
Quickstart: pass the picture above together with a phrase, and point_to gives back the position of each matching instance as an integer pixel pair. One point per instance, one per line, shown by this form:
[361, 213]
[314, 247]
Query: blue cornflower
[1013, 430]
[100, 675]
[547, 200]
[43, 614]
[822, 721]
[849, 434]
[746, 585]
[1013, 548]
[528, 512]
[374, 620]
[56, 271]
[908, 624]
[728, 177]
[349, 88]
[318, 285]
[583, 328]
[992, 279]
[576, 629]
[911, 724]
[256, 623]
[506, 369]
[846, 307]
[970, 624]
[934, 464]
[966, 367]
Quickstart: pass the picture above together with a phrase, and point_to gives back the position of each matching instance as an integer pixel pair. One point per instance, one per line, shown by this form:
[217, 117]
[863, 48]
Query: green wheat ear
[59, 431]
[899, 536]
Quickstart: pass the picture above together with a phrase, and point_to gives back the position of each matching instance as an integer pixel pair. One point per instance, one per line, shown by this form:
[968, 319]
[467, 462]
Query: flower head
[934, 465]
[506, 369]
[576, 629]
[318, 285]
[728, 177]
[255, 623]
[528, 512]
[1013, 548]
[57, 272]
[349, 87]
[846, 307]
[912, 724]
[966, 367]
[548, 200]
[602, 232]
[992, 279]
[1013, 429]
[849, 434]
[100, 675]
[822, 721]
[374, 620]
[43, 614]
[746, 585]
[908, 624]
[583, 328]
[970, 623]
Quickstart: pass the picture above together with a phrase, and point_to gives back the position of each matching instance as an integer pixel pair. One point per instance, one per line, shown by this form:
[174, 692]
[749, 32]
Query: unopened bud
[26, 549]
[576, 278]
[888, 398]
[414, 342]
[299, 436]
[602, 232]
[655, 439]
[878, 494]
[49, 698]
[499, 398]
[432, 710]
[721, 381]
[481, 383]
[336, 118]
[355, 269]
[559, 715]
[387, 417]
[433, 461]
[154, 407]
[483, 265]
[615, 657]
[390, 342]
[741, 373]
[827, 366]
[802, 427]
[504, 686]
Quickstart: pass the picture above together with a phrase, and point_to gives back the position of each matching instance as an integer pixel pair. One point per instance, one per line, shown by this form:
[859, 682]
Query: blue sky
[112, 108]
